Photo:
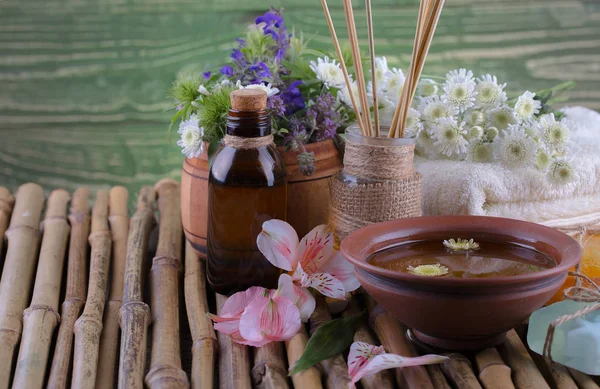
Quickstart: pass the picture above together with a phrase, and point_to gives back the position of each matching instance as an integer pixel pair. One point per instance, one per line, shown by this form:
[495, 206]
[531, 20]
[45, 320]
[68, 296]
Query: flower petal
[229, 320]
[388, 361]
[303, 299]
[315, 249]
[278, 242]
[343, 270]
[325, 283]
[360, 353]
[270, 318]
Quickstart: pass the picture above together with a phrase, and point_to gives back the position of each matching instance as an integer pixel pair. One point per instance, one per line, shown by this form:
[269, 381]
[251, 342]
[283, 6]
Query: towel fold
[461, 187]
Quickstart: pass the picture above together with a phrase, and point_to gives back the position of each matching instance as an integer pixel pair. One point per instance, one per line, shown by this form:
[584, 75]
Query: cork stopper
[247, 100]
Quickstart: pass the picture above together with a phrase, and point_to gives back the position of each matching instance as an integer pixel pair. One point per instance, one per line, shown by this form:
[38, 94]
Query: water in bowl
[433, 258]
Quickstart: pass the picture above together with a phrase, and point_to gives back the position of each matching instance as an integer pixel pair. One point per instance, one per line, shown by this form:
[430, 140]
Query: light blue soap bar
[576, 343]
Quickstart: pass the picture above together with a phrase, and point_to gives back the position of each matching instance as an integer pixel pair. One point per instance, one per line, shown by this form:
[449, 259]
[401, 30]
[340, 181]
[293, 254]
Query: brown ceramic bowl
[460, 313]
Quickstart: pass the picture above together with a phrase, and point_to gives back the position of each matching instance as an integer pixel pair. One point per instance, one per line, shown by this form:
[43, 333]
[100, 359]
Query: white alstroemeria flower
[191, 137]
[432, 109]
[459, 89]
[329, 72]
[555, 134]
[561, 172]
[449, 137]
[480, 151]
[515, 149]
[268, 88]
[501, 117]
[413, 123]
[489, 93]
[203, 91]
[527, 106]
[427, 87]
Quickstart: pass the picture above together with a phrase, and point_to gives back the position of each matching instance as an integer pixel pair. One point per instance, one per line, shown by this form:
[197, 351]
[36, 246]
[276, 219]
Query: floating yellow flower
[461, 244]
[428, 270]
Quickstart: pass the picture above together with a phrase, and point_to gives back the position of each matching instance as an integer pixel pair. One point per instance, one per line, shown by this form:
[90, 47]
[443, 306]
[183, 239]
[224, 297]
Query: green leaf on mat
[328, 340]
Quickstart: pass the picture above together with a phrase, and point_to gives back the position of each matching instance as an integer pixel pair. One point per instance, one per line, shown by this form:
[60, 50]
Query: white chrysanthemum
[542, 159]
[203, 91]
[526, 106]
[459, 89]
[555, 134]
[381, 71]
[329, 72]
[475, 132]
[461, 244]
[191, 137]
[345, 95]
[480, 151]
[532, 128]
[561, 172]
[394, 84]
[449, 137]
[515, 149]
[489, 93]
[413, 123]
[268, 88]
[501, 117]
[432, 109]
[491, 133]
[474, 117]
[427, 87]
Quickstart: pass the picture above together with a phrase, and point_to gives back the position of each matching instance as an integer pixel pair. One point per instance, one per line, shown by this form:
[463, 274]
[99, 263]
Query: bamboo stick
[561, 376]
[309, 378]
[41, 318]
[6, 206]
[372, 55]
[75, 291]
[234, 359]
[583, 380]
[134, 314]
[383, 379]
[118, 218]
[21, 257]
[459, 370]
[437, 377]
[525, 373]
[89, 325]
[269, 371]
[393, 338]
[165, 368]
[493, 373]
[335, 368]
[204, 344]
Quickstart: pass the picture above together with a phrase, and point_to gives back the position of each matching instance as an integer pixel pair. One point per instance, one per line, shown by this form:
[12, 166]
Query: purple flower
[237, 55]
[241, 42]
[275, 27]
[276, 105]
[261, 70]
[270, 18]
[292, 97]
[227, 70]
[206, 75]
[324, 117]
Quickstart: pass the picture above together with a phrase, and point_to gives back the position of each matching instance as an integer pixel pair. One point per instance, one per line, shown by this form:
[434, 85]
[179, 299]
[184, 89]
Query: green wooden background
[83, 83]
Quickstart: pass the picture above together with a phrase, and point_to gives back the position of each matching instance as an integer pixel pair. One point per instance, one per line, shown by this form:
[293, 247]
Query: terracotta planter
[460, 313]
[308, 196]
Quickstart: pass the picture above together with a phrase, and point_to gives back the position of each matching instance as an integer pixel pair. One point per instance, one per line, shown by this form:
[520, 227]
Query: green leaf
[328, 340]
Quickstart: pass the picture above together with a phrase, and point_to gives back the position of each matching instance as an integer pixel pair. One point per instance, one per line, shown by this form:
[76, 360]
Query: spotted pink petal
[363, 363]
[228, 321]
[315, 249]
[302, 297]
[325, 284]
[278, 242]
[343, 270]
[270, 319]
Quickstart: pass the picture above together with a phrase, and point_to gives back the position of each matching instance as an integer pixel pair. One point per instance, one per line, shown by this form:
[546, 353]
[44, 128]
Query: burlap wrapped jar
[378, 183]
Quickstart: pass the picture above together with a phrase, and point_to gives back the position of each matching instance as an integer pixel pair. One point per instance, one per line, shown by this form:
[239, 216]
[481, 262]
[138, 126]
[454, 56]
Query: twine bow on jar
[579, 294]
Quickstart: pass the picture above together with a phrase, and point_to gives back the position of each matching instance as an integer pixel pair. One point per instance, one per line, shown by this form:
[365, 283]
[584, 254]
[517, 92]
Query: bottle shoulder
[262, 166]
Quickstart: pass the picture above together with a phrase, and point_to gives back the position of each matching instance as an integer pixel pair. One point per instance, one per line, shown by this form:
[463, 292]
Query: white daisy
[561, 172]
[449, 137]
[489, 93]
[526, 106]
[345, 95]
[532, 128]
[480, 151]
[413, 123]
[515, 149]
[501, 117]
[394, 83]
[432, 109]
[268, 88]
[191, 137]
[474, 117]
[542, 159]
[203, 91]
[459, 89]
[427, 87]
[555, 134]
[329, 72]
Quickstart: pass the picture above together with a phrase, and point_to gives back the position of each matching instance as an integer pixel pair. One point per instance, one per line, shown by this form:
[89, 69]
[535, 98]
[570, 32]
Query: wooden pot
[308, 196]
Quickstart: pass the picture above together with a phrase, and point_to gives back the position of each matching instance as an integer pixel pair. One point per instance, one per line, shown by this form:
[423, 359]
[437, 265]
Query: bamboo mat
[181, 345]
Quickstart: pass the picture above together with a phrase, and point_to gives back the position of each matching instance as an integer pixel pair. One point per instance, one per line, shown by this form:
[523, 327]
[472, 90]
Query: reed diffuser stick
[269, 371]
[361, 118]
[89, 325]
[204, 346]
[358, 69]
[79, 217]
[41, 318]
[373, 67]
[6, 206]
[309, 378]
[118, 217]
[21, 257]
[134, 315]
[234, 359]
[165, 368]
[525, 373]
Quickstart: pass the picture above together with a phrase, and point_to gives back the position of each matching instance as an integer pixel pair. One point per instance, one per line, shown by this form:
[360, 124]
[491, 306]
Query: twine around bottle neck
[378, 162]
[242, 143]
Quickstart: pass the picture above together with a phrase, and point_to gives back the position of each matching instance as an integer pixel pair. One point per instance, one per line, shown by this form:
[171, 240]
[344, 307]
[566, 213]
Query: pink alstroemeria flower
[310, 261]
[228, 322]
[366, 359]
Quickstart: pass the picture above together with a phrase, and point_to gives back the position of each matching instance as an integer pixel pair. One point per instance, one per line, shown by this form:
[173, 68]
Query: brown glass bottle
[246, 187]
